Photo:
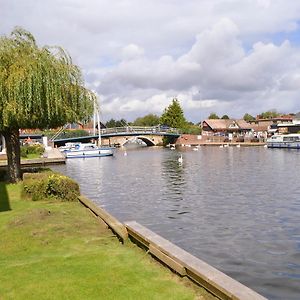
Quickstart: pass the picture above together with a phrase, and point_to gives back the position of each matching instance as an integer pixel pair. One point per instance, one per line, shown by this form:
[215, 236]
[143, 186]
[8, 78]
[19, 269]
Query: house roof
[243, 124]
[286, 118]
[260, 127]
[227, 124]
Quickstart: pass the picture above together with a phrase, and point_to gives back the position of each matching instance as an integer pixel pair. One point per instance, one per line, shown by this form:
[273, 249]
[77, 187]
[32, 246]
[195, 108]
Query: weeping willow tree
[40, 87]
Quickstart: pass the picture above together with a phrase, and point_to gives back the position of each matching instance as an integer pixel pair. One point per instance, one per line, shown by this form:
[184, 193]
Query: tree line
[173, 116]
[247, 117]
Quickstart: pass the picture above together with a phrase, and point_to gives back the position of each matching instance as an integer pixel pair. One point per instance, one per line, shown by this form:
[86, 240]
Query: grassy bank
[58, 250]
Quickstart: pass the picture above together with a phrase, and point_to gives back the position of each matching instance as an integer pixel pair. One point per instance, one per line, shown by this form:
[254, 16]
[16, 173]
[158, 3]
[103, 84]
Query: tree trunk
[13, 154]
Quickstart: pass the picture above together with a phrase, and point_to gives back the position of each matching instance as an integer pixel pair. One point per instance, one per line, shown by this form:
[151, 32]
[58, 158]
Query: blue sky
[223, 56]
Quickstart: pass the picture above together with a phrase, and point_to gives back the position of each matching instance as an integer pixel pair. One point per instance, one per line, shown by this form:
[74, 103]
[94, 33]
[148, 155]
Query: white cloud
[216, 67]
[227, 56]
[132, 51]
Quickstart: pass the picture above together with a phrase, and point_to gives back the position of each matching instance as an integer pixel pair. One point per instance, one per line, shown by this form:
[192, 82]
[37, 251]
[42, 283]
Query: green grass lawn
[58, 250]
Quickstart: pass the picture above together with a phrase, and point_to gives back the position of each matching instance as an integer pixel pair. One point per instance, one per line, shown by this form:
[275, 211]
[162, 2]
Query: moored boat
[68, 146]
[85, 150]
[291, 141]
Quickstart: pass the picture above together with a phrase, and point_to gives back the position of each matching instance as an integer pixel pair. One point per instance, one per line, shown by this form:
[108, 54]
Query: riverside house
[267, 127]
[226, 130]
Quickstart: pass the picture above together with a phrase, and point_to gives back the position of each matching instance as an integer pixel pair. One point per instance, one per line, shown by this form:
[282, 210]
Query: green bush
[191, 129]
[48, 185]
[23, 151]
[67, 133]
[32, 149]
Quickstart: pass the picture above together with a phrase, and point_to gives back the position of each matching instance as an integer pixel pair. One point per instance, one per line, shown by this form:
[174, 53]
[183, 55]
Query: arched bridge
[121, 135]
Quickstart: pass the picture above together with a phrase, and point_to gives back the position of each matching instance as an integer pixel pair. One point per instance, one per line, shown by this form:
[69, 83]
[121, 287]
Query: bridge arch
[148, 141]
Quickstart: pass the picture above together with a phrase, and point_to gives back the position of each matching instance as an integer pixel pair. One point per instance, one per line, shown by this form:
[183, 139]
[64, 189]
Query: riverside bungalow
[272, 121]
[267, 127]
[229, 129]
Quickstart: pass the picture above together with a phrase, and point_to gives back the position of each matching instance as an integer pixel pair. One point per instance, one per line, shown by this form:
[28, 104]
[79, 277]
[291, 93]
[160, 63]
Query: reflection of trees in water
[174, 187]
[173, 172]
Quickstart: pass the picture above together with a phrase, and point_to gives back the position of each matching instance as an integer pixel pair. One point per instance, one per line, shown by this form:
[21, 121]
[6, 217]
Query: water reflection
[236, 208]
[174, 186]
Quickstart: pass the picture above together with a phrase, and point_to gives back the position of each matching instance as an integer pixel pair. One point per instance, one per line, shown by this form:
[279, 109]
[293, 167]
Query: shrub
[32, 149]
[62, 187]
[34, 185]
[24, 151]
[35, 149]
[67, 133]
[48, 185]
[191, 129]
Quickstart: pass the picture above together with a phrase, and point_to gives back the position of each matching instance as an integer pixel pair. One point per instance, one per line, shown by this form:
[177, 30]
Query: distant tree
[111, 123]
[192, 129]
[269, 114]
[116, 123]
[213, 116]
[247, 117]
[39, 88]
[173, 115]
[121, 123]
[148, 120]
[225, 117]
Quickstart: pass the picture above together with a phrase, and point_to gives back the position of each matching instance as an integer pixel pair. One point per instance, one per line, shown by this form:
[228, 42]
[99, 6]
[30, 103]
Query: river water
[236, 208]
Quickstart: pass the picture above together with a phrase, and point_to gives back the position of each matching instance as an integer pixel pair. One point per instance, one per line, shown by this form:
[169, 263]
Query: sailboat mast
[99, 128]
[94, 119]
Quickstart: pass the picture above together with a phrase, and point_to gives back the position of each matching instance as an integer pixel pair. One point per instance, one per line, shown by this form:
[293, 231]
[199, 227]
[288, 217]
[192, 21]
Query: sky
[224, 56]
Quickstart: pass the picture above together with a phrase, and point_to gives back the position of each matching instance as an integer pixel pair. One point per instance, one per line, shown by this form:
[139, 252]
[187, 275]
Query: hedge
[31, 149]
[49, 185]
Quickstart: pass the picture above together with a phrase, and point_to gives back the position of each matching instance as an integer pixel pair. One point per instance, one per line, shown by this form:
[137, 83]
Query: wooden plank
[207, 276]
[167, 260]
[138, 239]
[36, 162]
[117, 227]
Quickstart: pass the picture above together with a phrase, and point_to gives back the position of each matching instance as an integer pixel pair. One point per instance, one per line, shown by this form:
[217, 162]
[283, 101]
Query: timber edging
[117, 227]
[177, 259]
[218, 283]
[37, 162]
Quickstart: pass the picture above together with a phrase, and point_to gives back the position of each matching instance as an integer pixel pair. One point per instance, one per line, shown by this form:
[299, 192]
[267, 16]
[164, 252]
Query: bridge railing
[128, 129]
[140, 129]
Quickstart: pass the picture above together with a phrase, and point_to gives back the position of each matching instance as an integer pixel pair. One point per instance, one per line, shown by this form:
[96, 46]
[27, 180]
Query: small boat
[68, 146]
[84, 150]
[291, 141]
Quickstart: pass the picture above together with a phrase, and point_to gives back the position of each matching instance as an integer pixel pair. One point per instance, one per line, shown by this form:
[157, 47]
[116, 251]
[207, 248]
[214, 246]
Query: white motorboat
[291, 141]
[85, 150]
[68, 146]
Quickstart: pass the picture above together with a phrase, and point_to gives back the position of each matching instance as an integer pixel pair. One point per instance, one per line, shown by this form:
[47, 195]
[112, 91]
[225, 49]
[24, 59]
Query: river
[236, 208]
